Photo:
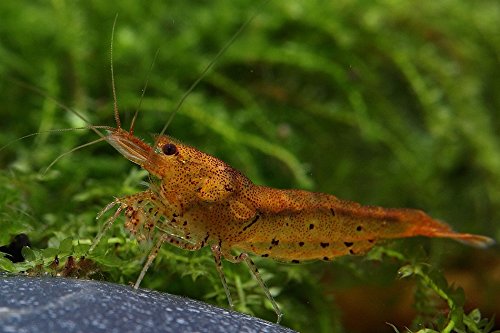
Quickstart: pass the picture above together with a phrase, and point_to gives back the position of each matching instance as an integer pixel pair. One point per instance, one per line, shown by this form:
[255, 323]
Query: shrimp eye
[169, 149]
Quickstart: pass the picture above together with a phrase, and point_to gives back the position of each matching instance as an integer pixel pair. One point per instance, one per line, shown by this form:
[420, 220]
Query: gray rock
[47, 304]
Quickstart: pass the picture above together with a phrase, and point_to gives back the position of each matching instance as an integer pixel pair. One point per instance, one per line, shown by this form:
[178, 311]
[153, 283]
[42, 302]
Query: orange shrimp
[196, 200]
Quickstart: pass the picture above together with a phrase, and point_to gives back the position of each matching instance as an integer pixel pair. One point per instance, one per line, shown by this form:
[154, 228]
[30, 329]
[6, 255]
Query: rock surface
[47, 304]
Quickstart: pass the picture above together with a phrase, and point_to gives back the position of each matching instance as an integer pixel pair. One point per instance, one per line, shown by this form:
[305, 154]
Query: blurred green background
[390, 103]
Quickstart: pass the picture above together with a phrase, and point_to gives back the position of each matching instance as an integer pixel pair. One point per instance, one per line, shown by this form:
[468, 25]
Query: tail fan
[470, 239]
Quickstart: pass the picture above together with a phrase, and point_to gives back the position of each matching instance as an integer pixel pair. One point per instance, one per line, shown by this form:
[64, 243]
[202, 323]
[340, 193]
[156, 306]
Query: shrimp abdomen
[299, 225]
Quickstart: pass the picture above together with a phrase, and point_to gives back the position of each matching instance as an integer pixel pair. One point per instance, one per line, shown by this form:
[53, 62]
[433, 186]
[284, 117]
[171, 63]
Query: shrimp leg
[165, 238]
[216, 250]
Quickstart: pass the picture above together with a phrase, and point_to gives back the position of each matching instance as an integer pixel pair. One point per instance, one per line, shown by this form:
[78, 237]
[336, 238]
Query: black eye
[169, 149]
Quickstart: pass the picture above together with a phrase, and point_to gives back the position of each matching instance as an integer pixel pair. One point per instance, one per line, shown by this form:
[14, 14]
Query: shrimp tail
[469, 239]
[429, 227]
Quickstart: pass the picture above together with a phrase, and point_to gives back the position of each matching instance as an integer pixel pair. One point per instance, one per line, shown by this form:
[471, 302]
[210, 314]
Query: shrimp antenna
[62, 106]
[209, 67]
[132, 123]
[115, 101]
[57, 130]
[71, 151]
[94, 128]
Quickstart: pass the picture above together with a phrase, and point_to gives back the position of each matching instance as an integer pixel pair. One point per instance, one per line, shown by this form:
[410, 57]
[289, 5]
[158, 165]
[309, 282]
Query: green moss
[386, 103]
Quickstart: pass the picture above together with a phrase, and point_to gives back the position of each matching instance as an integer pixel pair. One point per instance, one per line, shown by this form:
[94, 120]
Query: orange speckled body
[208, 202]
[197, 200]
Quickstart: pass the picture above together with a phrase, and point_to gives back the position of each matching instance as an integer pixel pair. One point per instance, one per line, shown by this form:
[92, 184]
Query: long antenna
[115, 101]
[71, 151]
[207, 69]
[57, 130]
[62, 106]
[132, 123]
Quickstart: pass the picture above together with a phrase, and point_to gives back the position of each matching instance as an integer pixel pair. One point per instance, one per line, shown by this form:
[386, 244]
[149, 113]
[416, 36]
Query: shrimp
[197, 200]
